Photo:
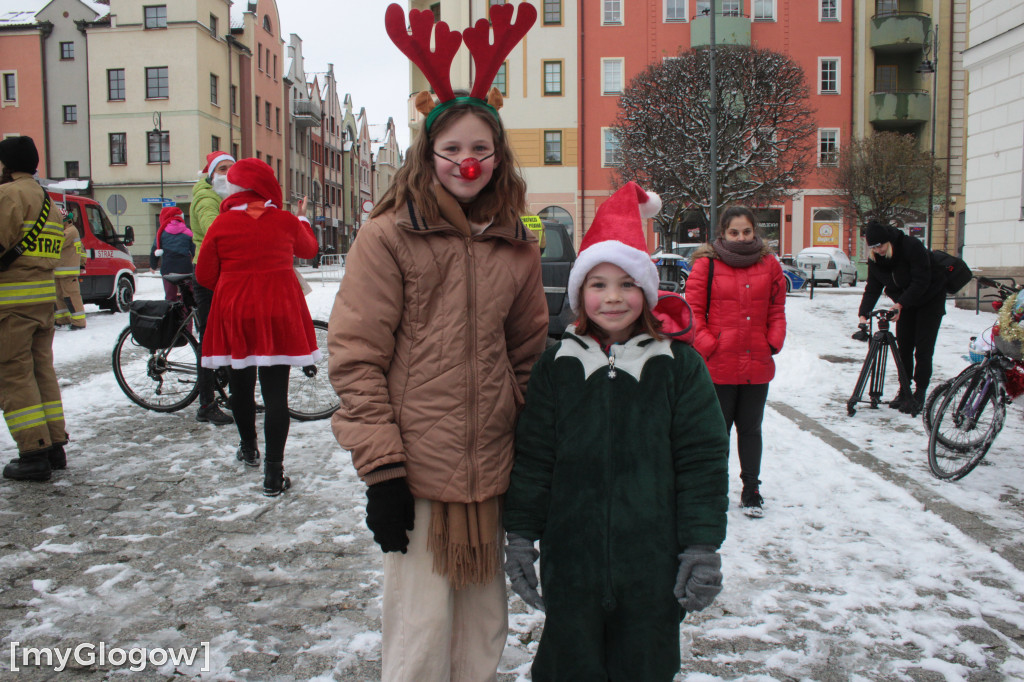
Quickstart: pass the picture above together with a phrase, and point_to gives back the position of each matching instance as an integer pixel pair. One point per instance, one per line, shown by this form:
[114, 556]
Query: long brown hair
[647, 323]
[737, 212]
[504, 197]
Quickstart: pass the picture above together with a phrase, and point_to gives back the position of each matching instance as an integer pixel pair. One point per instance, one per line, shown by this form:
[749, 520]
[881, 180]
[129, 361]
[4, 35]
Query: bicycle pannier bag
[153, 323]
[958, 273]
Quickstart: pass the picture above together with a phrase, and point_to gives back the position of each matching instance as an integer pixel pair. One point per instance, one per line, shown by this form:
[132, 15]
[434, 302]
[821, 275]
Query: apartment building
[261, 36]
[994, 232]
[387, 157]
[22, 93]
[304, 116]
[538, 81]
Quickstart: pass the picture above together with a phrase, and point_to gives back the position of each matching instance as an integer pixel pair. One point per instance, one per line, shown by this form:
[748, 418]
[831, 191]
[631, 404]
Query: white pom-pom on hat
[651, 207]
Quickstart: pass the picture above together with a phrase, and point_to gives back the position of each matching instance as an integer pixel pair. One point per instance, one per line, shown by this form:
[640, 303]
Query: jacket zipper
[471, 361]
[609, 598]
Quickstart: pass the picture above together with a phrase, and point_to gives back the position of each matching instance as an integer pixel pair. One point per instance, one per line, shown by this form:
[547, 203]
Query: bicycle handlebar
[1004, 290]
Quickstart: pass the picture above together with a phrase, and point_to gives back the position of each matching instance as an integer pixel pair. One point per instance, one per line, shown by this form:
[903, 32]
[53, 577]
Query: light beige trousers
[432, 632]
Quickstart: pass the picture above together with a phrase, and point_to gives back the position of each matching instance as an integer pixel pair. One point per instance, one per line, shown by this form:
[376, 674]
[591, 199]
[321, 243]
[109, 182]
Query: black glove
[862, 332]
[390, 512]
[519, 557]
[700, 577]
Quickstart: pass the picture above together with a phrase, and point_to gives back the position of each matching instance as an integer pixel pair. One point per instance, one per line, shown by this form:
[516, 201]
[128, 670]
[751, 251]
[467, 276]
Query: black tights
[743, 405]
[274, 384]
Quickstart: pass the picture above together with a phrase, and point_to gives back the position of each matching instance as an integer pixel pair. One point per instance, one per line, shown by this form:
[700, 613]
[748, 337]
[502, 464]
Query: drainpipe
[238, 93]
[581, 139]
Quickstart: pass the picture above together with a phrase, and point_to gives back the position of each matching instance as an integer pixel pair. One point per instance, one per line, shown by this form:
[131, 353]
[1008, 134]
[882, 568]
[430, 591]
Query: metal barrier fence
[331, 264]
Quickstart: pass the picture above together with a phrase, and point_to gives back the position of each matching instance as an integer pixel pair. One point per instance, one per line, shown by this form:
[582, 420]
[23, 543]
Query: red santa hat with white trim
[617, 236]
[214, 158]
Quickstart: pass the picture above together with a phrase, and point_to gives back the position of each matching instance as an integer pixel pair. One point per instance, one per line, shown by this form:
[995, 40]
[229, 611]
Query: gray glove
[519, 557]
[700, 577]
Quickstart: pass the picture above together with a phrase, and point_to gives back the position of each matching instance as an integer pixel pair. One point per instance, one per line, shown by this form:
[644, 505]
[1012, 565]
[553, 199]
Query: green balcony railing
[730, 29]
[899, 109]
[899, 31]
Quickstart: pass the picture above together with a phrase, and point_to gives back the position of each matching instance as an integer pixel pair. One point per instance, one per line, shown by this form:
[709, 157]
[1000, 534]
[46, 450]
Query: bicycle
[971, 408]
[166, 379]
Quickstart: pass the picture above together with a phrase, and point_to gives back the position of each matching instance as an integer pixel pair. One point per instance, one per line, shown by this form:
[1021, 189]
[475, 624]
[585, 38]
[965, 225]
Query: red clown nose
[470, 169]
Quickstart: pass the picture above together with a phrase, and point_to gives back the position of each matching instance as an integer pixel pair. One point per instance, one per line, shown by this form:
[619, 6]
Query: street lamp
[931, 66]
[158, 134]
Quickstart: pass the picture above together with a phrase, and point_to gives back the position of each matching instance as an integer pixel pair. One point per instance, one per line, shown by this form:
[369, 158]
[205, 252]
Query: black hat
[877, 233]
[19, 154]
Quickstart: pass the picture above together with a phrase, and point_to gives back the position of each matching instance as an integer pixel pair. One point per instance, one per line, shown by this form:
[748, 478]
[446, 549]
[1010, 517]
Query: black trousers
[916, 332]
[274, 385]
[204, 298]
[743, 405]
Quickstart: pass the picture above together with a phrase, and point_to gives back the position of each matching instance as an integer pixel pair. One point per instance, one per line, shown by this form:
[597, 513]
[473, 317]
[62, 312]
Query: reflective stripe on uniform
[27, 417]
[22, 293]
[78, 249]
[49, 242]
[54, 410]
[66, 272]
[78, 316]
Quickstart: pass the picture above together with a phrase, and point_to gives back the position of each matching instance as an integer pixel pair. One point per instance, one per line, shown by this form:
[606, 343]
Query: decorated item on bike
[980, 345]
[1015, 381]
[1010, 339]
[154, 323]
[958, 273]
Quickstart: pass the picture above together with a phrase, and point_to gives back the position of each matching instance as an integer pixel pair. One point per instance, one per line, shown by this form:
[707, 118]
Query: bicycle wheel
[968, 419]
[310, 394]
[162, 381]
[931, 404]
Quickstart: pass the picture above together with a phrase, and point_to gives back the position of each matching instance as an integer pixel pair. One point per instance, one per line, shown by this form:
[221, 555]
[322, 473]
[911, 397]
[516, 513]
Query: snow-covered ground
[155, 536]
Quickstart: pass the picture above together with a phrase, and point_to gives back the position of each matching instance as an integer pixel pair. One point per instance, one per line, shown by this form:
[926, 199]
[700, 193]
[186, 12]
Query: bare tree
[765, 130]
[885, 177]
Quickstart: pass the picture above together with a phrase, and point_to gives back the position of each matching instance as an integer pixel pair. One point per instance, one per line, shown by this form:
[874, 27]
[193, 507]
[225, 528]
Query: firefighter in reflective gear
[70, 309]
[29, 395]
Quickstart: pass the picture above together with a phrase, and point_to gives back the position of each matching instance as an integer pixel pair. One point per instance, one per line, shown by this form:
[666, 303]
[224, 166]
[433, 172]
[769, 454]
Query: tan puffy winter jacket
[432, 338]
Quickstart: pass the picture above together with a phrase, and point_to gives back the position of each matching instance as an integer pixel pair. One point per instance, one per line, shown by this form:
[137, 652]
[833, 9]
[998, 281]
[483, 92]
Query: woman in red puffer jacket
[738, 328]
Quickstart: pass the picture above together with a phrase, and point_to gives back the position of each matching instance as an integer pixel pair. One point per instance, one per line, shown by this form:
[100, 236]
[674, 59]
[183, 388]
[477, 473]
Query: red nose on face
[470, 169]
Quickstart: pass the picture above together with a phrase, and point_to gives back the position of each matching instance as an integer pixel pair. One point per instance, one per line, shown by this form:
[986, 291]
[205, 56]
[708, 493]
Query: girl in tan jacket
[437, 322]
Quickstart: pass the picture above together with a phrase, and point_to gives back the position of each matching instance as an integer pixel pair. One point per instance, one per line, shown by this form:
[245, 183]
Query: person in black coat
[903, 267]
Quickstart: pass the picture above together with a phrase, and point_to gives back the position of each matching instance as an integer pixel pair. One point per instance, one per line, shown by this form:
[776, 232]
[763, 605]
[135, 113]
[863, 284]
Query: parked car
[675, 266]
[556, 258]
[796, 278]
[828, 265]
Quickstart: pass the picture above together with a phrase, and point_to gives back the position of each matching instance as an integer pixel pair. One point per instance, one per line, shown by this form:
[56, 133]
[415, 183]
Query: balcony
[730, 29]
[899, 32]
[899, 110]
[305, 114]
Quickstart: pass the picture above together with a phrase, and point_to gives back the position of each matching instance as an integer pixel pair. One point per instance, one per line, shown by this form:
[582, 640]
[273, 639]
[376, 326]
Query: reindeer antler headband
[436, 64]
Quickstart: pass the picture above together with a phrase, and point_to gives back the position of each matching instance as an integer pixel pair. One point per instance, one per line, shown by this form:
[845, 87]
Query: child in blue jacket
[620, 472]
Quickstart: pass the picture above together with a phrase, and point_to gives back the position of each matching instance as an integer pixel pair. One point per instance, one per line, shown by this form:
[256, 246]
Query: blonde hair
[888, 252]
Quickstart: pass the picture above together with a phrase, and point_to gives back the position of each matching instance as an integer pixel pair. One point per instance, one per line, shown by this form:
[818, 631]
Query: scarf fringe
[464, 541]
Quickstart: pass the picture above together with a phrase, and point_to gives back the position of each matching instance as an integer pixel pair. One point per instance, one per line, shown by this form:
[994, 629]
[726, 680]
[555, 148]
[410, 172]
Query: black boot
[248, 453]
[897, 402]
[913, 404]
[212, 413]
[752, 503]
[274, 480]
[30, 466]
[58, 460]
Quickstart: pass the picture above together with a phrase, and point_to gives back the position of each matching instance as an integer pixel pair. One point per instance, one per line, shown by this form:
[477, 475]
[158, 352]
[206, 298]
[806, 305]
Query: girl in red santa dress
[259, 323]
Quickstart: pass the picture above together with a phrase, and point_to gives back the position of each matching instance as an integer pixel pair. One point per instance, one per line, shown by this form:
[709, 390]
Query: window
[266, 24]
[611, 154]
[553, 147]
[828, 67]
[70, 169]
[115, 85]
[156, 82]
[611, 76]
[612, 13]
[70, 113]
[887, 78]
[67, 50]
[435, 9]
[277, 118]
[234, 149]
[259, 154]
[213, 89]
[259, 56]
[732, 8]
[829, 10]
[828, 146]
[883, 7]
[501, 79]
[214, 143]
[703, 8]
[553, 78]
[275, 67]
[118, 148]
[257, 109]
[764, 10]
[156, 16]
[10, 87]
[552, 12]
[234, 99]
[159, 144]
[213, 25]
[675, 10]
[266, 108]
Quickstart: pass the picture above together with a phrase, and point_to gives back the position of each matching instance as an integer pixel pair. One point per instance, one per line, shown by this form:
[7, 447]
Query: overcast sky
[350, 34]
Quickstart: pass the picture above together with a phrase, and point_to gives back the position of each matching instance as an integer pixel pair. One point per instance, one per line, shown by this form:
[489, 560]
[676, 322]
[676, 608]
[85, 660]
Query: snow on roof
[238, 10]
[18, 12]
[378, 131]
[17, 18]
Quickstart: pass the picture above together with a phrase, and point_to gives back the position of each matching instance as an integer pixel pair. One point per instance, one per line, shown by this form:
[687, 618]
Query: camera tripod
[875, 361]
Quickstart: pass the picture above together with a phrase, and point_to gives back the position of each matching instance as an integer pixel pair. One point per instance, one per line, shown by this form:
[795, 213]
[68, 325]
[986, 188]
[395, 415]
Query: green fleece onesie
[621, 463]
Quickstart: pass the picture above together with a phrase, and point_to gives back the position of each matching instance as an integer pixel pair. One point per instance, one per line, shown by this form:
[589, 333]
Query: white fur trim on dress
[215, 361]
[636, 263]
